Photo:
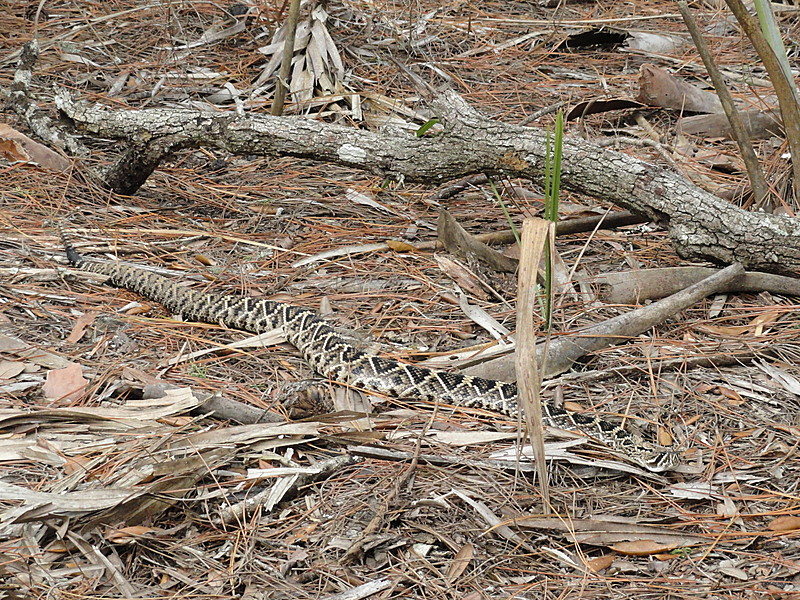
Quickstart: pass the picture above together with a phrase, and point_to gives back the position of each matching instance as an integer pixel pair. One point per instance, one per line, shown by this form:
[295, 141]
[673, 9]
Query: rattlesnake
[331, 355]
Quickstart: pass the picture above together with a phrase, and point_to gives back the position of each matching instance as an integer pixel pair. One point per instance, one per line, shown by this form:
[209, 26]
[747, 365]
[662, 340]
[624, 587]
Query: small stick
[286, 61]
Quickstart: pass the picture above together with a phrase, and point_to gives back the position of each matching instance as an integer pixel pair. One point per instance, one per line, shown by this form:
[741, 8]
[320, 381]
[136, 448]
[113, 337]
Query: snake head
[650, 456]
[653, 457]
[658, 459]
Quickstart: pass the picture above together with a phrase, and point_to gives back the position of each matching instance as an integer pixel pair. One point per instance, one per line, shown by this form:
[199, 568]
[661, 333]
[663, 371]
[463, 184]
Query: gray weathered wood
[701, 225]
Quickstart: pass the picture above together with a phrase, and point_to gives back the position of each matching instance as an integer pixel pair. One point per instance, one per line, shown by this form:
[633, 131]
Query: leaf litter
[105, 493]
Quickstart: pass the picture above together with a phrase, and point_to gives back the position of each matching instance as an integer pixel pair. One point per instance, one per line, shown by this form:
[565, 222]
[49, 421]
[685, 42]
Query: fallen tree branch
[635, 287]
[700, 225]
[564, 350]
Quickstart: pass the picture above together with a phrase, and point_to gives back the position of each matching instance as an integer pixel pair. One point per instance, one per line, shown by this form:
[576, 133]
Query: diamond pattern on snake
[332, 356]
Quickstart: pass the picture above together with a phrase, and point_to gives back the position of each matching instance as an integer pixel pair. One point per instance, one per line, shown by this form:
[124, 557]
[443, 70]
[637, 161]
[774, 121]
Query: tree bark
[700, 225]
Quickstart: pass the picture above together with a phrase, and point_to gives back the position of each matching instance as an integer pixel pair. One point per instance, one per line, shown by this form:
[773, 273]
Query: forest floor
[113, 485]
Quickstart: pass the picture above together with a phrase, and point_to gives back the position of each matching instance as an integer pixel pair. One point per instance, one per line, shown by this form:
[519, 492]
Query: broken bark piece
[658, 87]
[456, 240]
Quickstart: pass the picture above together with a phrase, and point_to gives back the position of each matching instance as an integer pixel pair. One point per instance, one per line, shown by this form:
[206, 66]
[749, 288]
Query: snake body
[331, 355]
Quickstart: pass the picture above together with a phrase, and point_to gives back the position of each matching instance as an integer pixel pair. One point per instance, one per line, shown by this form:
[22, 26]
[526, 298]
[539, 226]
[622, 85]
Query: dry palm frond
[317, 68]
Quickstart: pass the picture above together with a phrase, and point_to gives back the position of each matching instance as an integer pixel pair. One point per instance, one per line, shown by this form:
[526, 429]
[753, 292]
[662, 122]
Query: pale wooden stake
[535, 234]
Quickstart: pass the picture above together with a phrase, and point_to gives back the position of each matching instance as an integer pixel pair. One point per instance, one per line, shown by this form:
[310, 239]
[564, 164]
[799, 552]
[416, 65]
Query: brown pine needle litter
[162, 461]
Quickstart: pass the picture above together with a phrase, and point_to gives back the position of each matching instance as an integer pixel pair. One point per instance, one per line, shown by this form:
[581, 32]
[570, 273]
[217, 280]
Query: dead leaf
[140, 308]
[600, 563]
[785, 523]
[357, 197]
[67, 384]
[38, 505]
[11, 368]
[781, 376]
[318, 66]
[766, 318]
[643, 547]
[74, 464]
[732, 395]
[739, 574]
[127, 535]
[11, 344]
[483, 318]
[745, 433]
[664, 437]
[723, 330]
[460, 562]
[695, 490]
[604, 531]
[33, 354]
[60, 546]
[666, 556]
[79, 328]
[399, 246]
[18, 147]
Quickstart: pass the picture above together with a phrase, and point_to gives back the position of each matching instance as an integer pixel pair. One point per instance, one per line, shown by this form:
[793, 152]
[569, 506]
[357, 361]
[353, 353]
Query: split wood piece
[701, 225]
[758, 124]
[634, 287]
[563, 351]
